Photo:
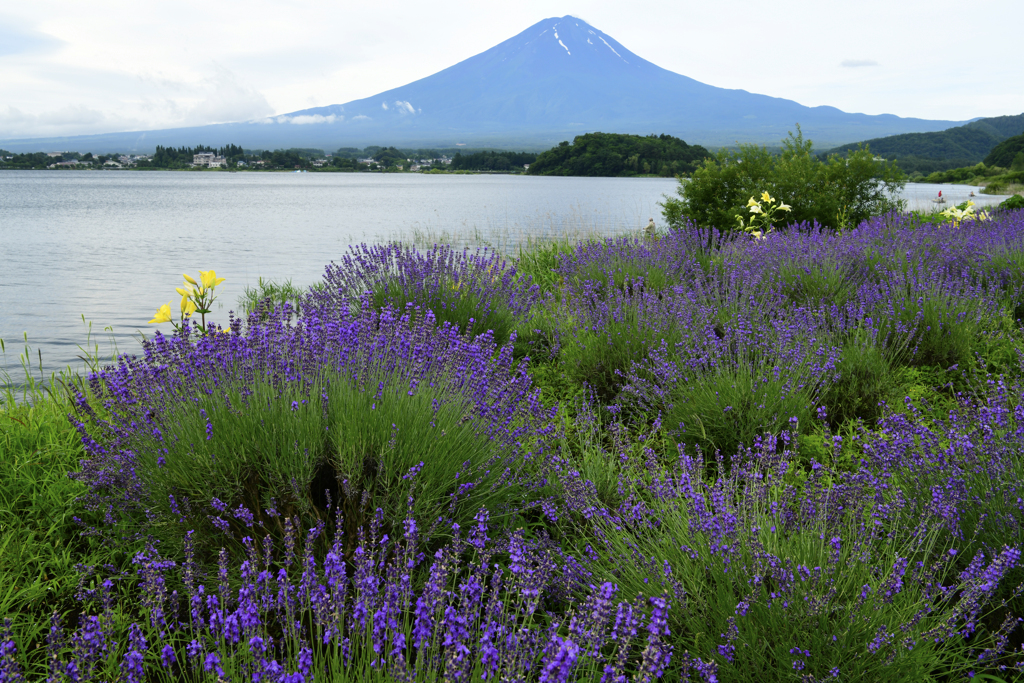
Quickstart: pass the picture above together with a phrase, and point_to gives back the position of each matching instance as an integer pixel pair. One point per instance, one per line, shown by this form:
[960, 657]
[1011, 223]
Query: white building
[209, 160]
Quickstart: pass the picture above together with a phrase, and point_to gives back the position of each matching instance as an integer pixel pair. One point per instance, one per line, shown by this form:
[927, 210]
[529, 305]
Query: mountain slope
[969, 143]
[1006, 152]
[557, 79]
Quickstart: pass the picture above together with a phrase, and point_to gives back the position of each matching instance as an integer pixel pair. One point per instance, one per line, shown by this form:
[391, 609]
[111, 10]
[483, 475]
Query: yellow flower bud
[163, 314]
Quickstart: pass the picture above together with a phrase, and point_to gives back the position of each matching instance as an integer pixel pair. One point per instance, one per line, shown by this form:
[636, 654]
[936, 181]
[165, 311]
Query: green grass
[41, 543]
[277, 452]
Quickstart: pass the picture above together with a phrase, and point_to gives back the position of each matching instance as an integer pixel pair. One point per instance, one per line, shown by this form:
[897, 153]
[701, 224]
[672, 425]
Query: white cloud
[305, 119]
[361, 117]
[405, 107]
[384, 106]
[226, 98]
[67, 120]
[152, 67]
[16, 38]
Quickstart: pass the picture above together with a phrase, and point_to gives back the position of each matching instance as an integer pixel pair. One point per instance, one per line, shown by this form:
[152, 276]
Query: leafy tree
[491, 161]
[966, 174]
[1005, 152]
[389, 157]
[611, 155]
[834, 192]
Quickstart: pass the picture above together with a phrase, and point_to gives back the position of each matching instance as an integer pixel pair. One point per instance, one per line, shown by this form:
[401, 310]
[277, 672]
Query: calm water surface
[112, 246]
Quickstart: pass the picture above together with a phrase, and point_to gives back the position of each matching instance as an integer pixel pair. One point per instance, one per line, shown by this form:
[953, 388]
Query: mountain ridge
[951, 148]
[557, 79]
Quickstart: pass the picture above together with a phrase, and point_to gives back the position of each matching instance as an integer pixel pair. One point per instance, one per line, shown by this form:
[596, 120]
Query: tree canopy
[834, 192]
[617, 155]
[492, 161]
[956, 147]
[1006, 152]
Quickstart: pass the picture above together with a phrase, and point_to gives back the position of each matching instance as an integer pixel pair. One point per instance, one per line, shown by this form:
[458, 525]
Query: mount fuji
[557, 79]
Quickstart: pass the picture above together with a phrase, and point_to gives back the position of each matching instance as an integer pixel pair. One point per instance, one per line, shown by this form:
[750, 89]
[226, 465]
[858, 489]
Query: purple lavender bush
[905, 568]
[395, 502]
[365, 409]
[290, 617]
[474, 291]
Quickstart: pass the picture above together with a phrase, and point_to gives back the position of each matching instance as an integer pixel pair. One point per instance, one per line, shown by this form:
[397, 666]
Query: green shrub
[823, 283]
[280, 449]
[865, 380]
[768, 588]
[540, 261]
[42, 543]
[1014, 202]
[600, 355]
[833, 192]
[449, 302]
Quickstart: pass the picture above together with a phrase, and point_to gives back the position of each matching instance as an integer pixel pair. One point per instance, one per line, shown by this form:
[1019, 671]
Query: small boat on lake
[939, 200]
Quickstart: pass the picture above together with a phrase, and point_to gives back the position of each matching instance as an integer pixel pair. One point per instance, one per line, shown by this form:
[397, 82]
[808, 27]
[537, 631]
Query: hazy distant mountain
[939, 151]
[559, 78]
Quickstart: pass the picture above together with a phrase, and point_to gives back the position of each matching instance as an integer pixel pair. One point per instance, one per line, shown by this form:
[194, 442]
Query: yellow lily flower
[189, 279]
[185, 291]
[756, 234]
[785, 207]
[753, 202]
[765, 197]
[188, 307]
[163, 314]
[210, 279]
[756, 208]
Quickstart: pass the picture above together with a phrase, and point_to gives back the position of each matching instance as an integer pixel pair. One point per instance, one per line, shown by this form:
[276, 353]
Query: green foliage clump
[357, 445]
[1006, 152]
[615, 155]
[1014, 202]
[835, 193]
[492, 161]
[970, 175]
[390, 157]
[865, 381]
[961, 142]
[42, 544]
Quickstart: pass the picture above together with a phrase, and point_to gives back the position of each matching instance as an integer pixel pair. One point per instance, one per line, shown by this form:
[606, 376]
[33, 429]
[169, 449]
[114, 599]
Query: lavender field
[799, 458]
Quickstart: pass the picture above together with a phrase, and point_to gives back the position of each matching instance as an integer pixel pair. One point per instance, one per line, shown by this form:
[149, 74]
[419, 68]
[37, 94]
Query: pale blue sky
[108, 65]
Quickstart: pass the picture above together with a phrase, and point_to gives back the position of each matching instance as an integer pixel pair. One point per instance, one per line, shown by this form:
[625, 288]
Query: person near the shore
[650, 231]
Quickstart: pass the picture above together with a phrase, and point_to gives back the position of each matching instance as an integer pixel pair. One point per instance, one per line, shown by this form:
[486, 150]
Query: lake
[111, 246]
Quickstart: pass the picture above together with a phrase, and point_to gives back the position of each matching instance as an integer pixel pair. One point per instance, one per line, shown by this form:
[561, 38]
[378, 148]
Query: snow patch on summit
[560, 41]
[612, 49]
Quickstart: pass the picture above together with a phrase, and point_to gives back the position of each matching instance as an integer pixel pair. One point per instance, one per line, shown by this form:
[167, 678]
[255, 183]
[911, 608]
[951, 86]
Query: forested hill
[1008, 153]
[615, 155]
[960, 146]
